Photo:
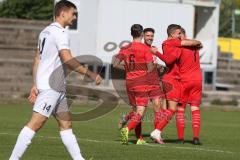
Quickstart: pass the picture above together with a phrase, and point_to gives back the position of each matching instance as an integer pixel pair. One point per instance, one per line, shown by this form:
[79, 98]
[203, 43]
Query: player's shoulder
[143, 47]
[126, 46]
[56, 29]
[172, 41]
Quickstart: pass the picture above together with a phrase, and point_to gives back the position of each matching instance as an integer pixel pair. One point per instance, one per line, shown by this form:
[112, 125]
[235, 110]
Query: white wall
[207, 32]
[103, 21]
[83, 40]
[116, 17]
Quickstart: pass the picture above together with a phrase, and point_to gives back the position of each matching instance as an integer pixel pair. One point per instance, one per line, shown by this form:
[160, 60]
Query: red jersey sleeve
[173, 42]
[171, 54]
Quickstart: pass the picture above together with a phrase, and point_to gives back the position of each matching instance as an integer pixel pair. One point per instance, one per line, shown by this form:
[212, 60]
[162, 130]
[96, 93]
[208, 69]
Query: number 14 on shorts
[47, 107]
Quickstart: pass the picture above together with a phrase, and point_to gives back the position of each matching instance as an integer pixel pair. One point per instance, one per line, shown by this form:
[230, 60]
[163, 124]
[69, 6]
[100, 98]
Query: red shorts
[141, 98]
[175, 93]
[191, 92]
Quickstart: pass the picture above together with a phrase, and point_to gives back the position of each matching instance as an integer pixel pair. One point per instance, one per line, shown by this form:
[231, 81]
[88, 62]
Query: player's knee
[163, 106]
[36, 125]
[156, 107]
[140, 110]
[172, 105]
[180, 109]
[156, 102]
[194, 108]
[37, 121]
[64, 125]
[173, 108]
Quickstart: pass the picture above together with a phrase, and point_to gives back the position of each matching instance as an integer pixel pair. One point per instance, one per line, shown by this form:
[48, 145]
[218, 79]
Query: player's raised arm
[34, 91]
[190, 43]
[185, 42]
[75, 65]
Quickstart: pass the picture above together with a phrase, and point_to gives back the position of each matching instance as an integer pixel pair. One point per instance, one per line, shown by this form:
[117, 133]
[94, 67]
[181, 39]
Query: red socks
[129, 116]
[138, 131]
[135, 120]
[138, 128]
[180, 123]
[157, 117]
[196, 123]
[168, 114]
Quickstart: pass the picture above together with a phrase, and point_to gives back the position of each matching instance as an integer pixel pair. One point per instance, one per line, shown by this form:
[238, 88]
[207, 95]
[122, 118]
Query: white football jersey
[51, 40]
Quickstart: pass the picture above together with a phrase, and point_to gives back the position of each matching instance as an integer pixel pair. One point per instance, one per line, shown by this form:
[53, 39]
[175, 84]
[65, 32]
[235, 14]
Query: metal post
[233, 24]
[214, 79]
[107, 73]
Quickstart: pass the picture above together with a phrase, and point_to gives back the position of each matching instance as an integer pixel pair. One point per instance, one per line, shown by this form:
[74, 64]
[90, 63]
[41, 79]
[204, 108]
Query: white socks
[23, 140]
[70, 142]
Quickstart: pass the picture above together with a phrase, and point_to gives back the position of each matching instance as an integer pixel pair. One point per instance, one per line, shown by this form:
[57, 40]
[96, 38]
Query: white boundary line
[151, 145]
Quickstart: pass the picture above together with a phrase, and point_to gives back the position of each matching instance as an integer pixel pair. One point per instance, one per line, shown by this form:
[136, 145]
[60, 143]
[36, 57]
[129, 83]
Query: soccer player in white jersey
[53, 50]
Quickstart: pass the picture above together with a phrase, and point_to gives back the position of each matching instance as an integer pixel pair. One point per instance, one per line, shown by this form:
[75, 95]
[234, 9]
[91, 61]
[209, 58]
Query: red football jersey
[136, 56]
[189, 65]
[154, 79]
[171, 54]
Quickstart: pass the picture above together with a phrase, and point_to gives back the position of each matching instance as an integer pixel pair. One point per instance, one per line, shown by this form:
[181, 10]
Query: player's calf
[196, 122]
[64, 124]
[180, 123]
[135, 120]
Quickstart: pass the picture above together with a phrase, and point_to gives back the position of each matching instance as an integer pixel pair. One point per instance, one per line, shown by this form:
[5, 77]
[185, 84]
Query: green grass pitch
[99, 138]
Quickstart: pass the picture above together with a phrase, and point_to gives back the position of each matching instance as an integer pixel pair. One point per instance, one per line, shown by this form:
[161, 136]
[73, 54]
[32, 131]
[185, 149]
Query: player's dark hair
[136, 30]
[183, 31]
[149, 30]
[62, 6]
[172, 28]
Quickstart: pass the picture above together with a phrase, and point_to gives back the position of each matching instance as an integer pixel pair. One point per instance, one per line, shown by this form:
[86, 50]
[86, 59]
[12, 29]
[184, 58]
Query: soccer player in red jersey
[158, 108]
[170, 56]
[138, 63]
[191, 81]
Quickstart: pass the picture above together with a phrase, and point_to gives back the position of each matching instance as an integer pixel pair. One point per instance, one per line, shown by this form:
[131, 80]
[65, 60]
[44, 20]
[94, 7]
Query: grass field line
[150, 145]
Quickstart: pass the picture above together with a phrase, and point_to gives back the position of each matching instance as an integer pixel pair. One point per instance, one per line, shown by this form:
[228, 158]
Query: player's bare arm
[34, 91]
[151, 66]
[117, 63]
[74, 65]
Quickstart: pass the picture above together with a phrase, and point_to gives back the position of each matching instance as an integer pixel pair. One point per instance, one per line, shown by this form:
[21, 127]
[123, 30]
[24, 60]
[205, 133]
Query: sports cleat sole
[196, 141]
[180, 141]
[159, 141]
[141, 142]
[124, 136]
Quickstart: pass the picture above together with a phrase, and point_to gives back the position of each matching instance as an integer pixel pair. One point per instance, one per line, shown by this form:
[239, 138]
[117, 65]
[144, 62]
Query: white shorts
[50, 102]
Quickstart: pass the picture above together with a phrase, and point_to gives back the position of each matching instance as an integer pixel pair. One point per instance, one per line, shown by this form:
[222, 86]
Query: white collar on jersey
[57, 25]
